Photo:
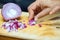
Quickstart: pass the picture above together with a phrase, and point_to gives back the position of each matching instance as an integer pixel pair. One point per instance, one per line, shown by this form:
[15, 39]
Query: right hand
[43, 7]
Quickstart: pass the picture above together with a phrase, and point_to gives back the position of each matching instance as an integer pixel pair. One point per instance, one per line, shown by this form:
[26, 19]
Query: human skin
[43, 7]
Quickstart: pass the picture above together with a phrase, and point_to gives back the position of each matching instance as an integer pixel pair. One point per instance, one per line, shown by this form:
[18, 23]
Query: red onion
[13, 25]
[11, 11]
[40, 25]
[32, 22]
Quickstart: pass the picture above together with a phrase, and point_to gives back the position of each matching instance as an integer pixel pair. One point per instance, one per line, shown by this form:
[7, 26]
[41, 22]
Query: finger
[42, 13]
[31, 9]
[54, 10]
[31, 14]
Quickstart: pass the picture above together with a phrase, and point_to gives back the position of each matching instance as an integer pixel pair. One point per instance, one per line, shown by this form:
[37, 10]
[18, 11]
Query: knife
[51, 22]
[48, 17]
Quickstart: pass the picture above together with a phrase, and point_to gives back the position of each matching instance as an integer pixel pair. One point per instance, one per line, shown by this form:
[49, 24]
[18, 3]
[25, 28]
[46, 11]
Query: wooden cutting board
[45, 32]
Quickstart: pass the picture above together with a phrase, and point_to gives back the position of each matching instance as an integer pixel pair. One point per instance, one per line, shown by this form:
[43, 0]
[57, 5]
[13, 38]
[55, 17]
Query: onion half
[11, 11]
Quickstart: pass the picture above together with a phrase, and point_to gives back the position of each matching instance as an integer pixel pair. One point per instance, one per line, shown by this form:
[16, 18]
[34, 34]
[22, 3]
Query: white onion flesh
[11, 11]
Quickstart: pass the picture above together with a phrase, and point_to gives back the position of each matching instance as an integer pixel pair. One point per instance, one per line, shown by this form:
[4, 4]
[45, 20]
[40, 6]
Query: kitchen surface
[4, 35]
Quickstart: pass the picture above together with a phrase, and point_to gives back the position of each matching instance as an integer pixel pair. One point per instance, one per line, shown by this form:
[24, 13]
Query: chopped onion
[32, 22]
[22, 26]
[40, 25]
[11, 11]
[13, 25]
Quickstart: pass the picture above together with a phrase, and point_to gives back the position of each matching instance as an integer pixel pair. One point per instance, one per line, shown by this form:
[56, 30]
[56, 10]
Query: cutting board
[45, 32]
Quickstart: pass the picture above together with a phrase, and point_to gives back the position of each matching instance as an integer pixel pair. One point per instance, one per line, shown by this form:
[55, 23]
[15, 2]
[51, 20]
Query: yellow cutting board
[31, 32]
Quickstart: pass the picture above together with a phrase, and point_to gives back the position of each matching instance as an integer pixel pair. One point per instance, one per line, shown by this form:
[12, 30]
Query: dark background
[22, 3]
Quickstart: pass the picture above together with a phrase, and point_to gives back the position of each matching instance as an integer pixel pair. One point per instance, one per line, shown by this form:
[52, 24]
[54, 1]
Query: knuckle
[28, 8]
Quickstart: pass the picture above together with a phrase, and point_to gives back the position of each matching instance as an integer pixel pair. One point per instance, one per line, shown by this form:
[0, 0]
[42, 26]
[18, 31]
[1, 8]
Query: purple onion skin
[13, 25]
[11, 11]
[32, 22]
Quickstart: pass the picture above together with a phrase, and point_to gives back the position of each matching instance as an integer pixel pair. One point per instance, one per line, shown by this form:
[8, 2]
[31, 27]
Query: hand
[43, 7]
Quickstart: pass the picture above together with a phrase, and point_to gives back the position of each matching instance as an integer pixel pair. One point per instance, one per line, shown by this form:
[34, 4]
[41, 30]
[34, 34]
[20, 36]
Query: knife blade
[48, 17]
[51, 22]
